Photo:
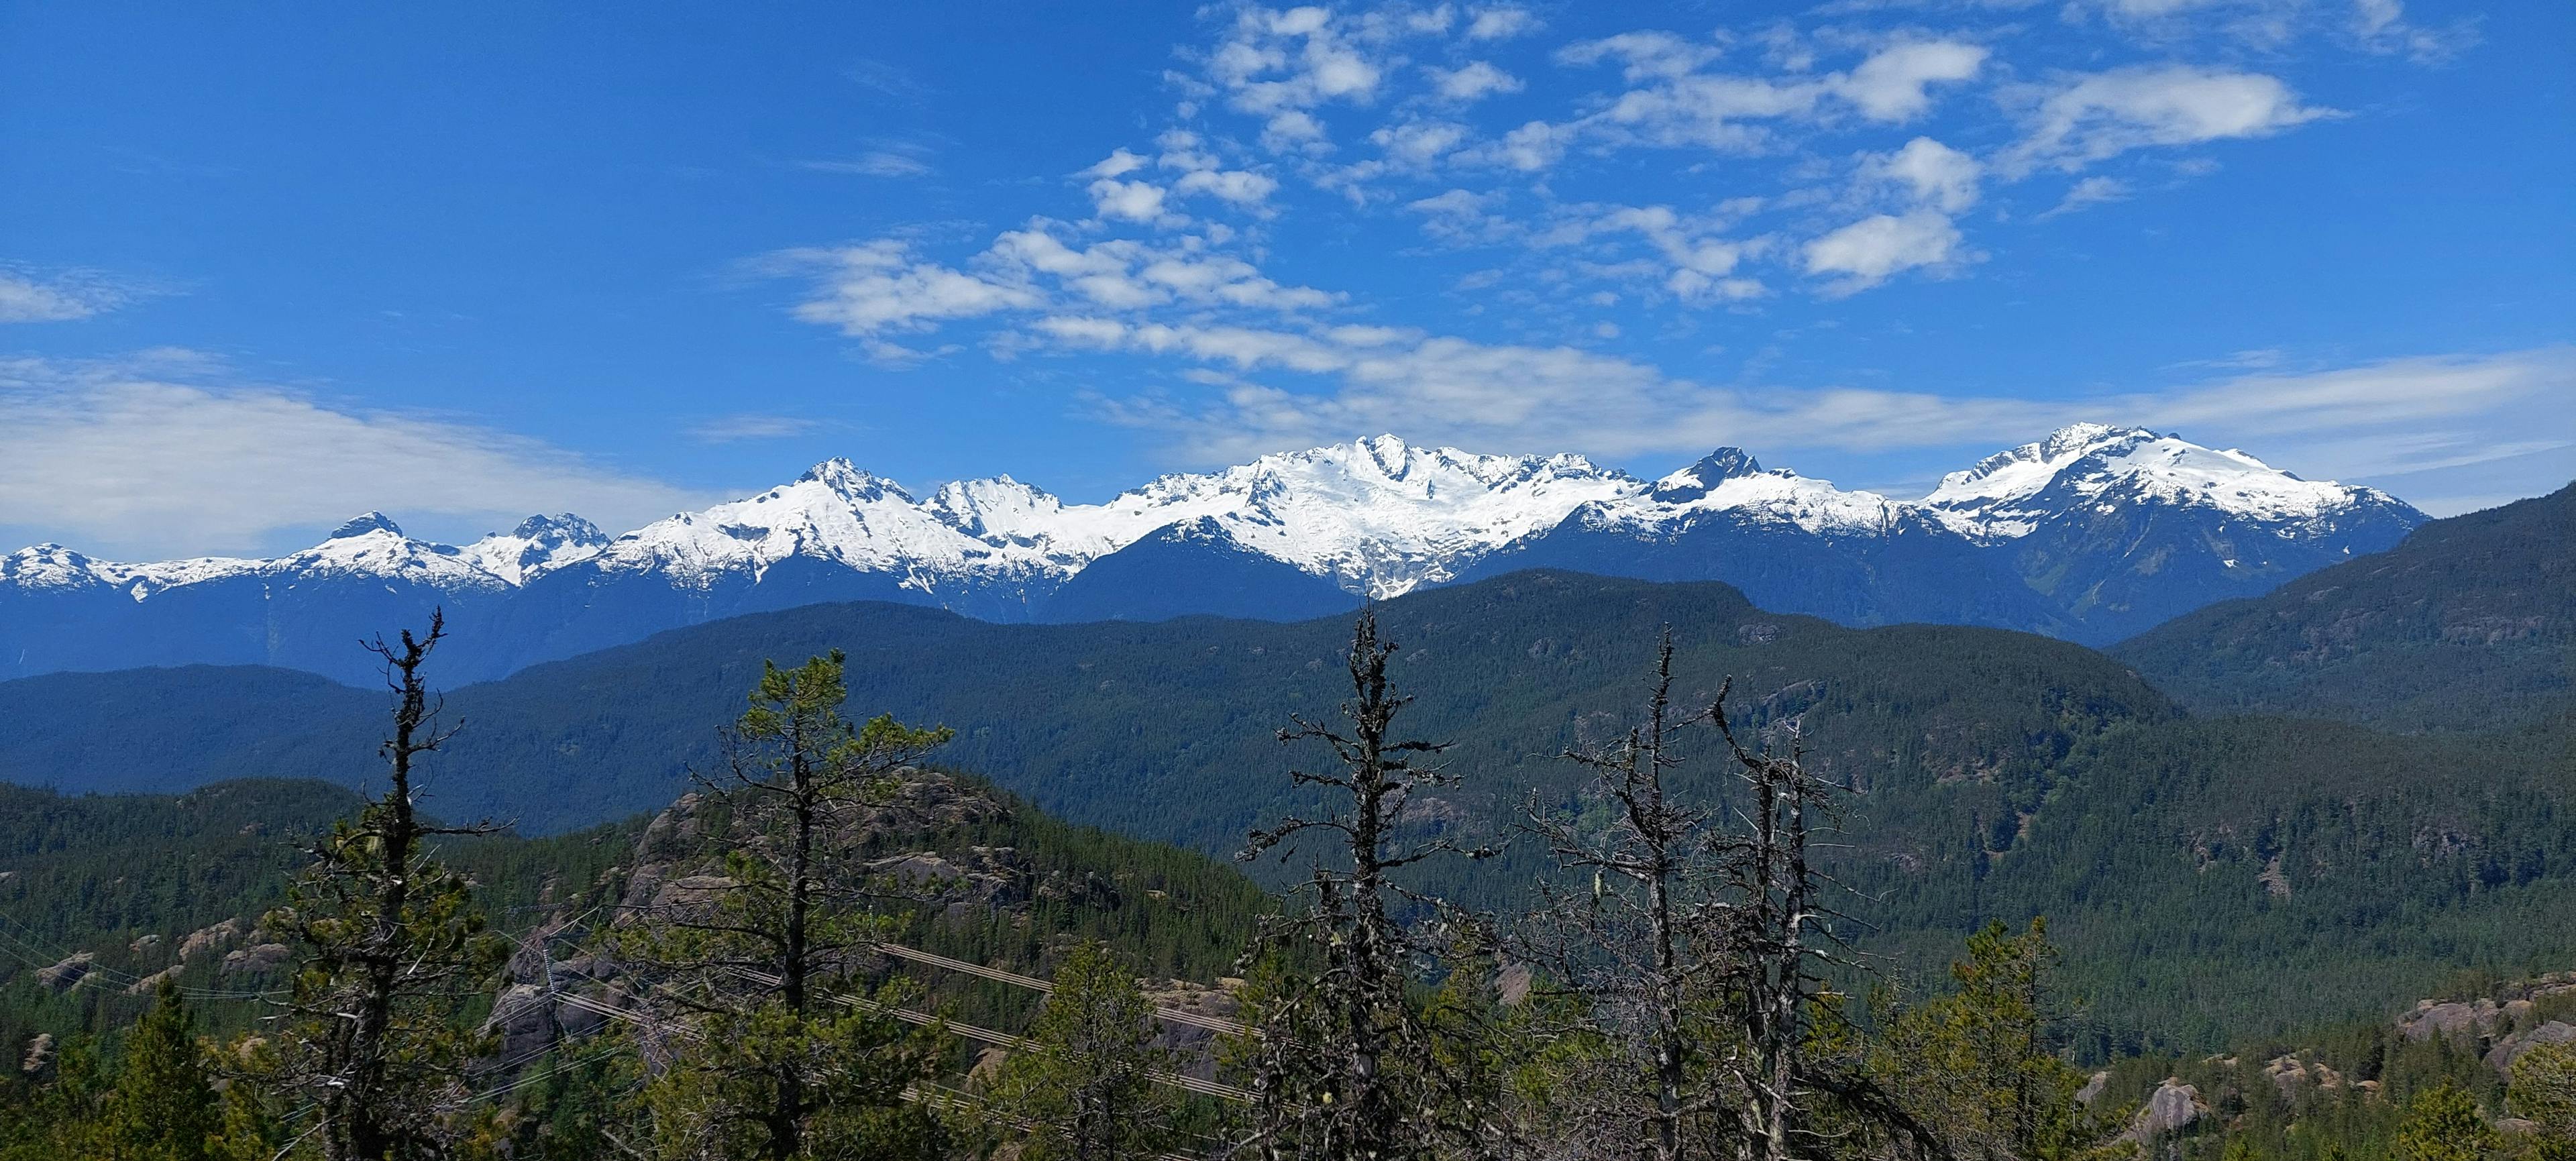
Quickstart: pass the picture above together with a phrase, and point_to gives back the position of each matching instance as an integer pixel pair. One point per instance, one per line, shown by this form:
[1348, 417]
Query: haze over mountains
[2092, 534]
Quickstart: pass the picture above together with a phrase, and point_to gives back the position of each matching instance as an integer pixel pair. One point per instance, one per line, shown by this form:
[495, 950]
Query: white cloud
[1418, 143]
[1237, 186]
[1500, 22]
[2381, 26]
[1201, 170]
[1646, 55]
[161, 455]
[2091, 191]
[1675, 104]
[1279, 65]
[1694, 261]
[1132, 201]
[1473, 81]
[2091, 117]
[1893, 84]
[1292, 131]
[2399, 418]
[1869, 251]
[1532, 147]
[1935, 174]
[24, 299]
[1119, 163]
[879, 286]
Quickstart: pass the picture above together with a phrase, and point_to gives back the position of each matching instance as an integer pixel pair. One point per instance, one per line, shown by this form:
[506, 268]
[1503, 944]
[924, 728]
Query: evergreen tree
[63, 1116]
[389, 943]
[785, 1053]
[1084, 1090]
[2443, 1124]
[1979, 1066]
[2544, 1093]
[164, 1107]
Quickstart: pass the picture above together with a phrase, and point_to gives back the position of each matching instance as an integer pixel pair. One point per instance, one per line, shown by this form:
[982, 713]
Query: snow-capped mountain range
[2093, 533]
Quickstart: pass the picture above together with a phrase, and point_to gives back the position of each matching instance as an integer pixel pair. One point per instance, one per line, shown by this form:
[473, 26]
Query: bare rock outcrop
[2172, 1107]
[210, 938]
[39, 1055]
[2511, 1048]
[261, 957]
[148, 984]
[67, 974]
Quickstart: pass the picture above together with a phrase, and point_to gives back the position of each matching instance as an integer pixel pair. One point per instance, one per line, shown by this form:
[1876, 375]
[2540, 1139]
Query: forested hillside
[659, 979]
[2203, 874]
[2469, 624]
[124, 889]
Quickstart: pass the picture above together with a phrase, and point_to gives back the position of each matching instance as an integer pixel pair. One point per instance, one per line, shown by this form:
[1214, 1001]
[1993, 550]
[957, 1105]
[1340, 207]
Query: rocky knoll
[910, 849]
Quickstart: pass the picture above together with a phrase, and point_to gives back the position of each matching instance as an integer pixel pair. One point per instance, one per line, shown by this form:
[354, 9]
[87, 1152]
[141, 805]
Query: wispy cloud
[167, 453]
[749, 426]
[2092, 191]
[2082, 119]
[874, 163]
[29, 297]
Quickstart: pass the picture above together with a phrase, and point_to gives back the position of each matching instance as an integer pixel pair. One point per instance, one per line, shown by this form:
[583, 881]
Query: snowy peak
[539, 544]
[1699, 479]
[50, 566]
[2009, 494]
[845, 479]
[364, 524]
[997, 507]
[1376, 515]
[835, 512]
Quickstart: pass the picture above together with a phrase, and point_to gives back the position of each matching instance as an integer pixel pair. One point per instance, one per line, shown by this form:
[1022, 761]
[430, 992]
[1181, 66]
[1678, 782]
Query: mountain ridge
[2025, 540]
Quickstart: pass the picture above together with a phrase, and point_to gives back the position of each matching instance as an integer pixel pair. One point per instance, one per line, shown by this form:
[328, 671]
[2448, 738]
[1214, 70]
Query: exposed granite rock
[148, 984]
[2454, 1019]
[67, 974]
[2511, 1048]
[210, 938]
[263, 957]
[39, 1055]
[2173, 1106]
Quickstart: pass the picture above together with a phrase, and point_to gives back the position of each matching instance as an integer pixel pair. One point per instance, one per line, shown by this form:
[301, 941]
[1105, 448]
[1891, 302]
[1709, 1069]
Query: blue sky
[261, 271]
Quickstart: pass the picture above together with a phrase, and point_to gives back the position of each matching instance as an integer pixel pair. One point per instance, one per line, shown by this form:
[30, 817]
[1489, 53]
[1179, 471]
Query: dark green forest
[2206, 874]
[1988, 1060]
[2468, 625]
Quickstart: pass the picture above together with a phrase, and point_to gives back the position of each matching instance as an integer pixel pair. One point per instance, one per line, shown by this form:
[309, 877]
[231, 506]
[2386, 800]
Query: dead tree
[389, 942]
[1643, 952]
[1788, 1099]
[1343, 1063]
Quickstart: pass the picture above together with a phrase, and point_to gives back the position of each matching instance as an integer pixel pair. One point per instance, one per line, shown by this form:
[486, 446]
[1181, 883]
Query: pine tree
[1084, 1090]
[2544, 1093]
[784, 1052]
[2443, 1124]
[1979, 1065]
[164, 1107]
[389, 944]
